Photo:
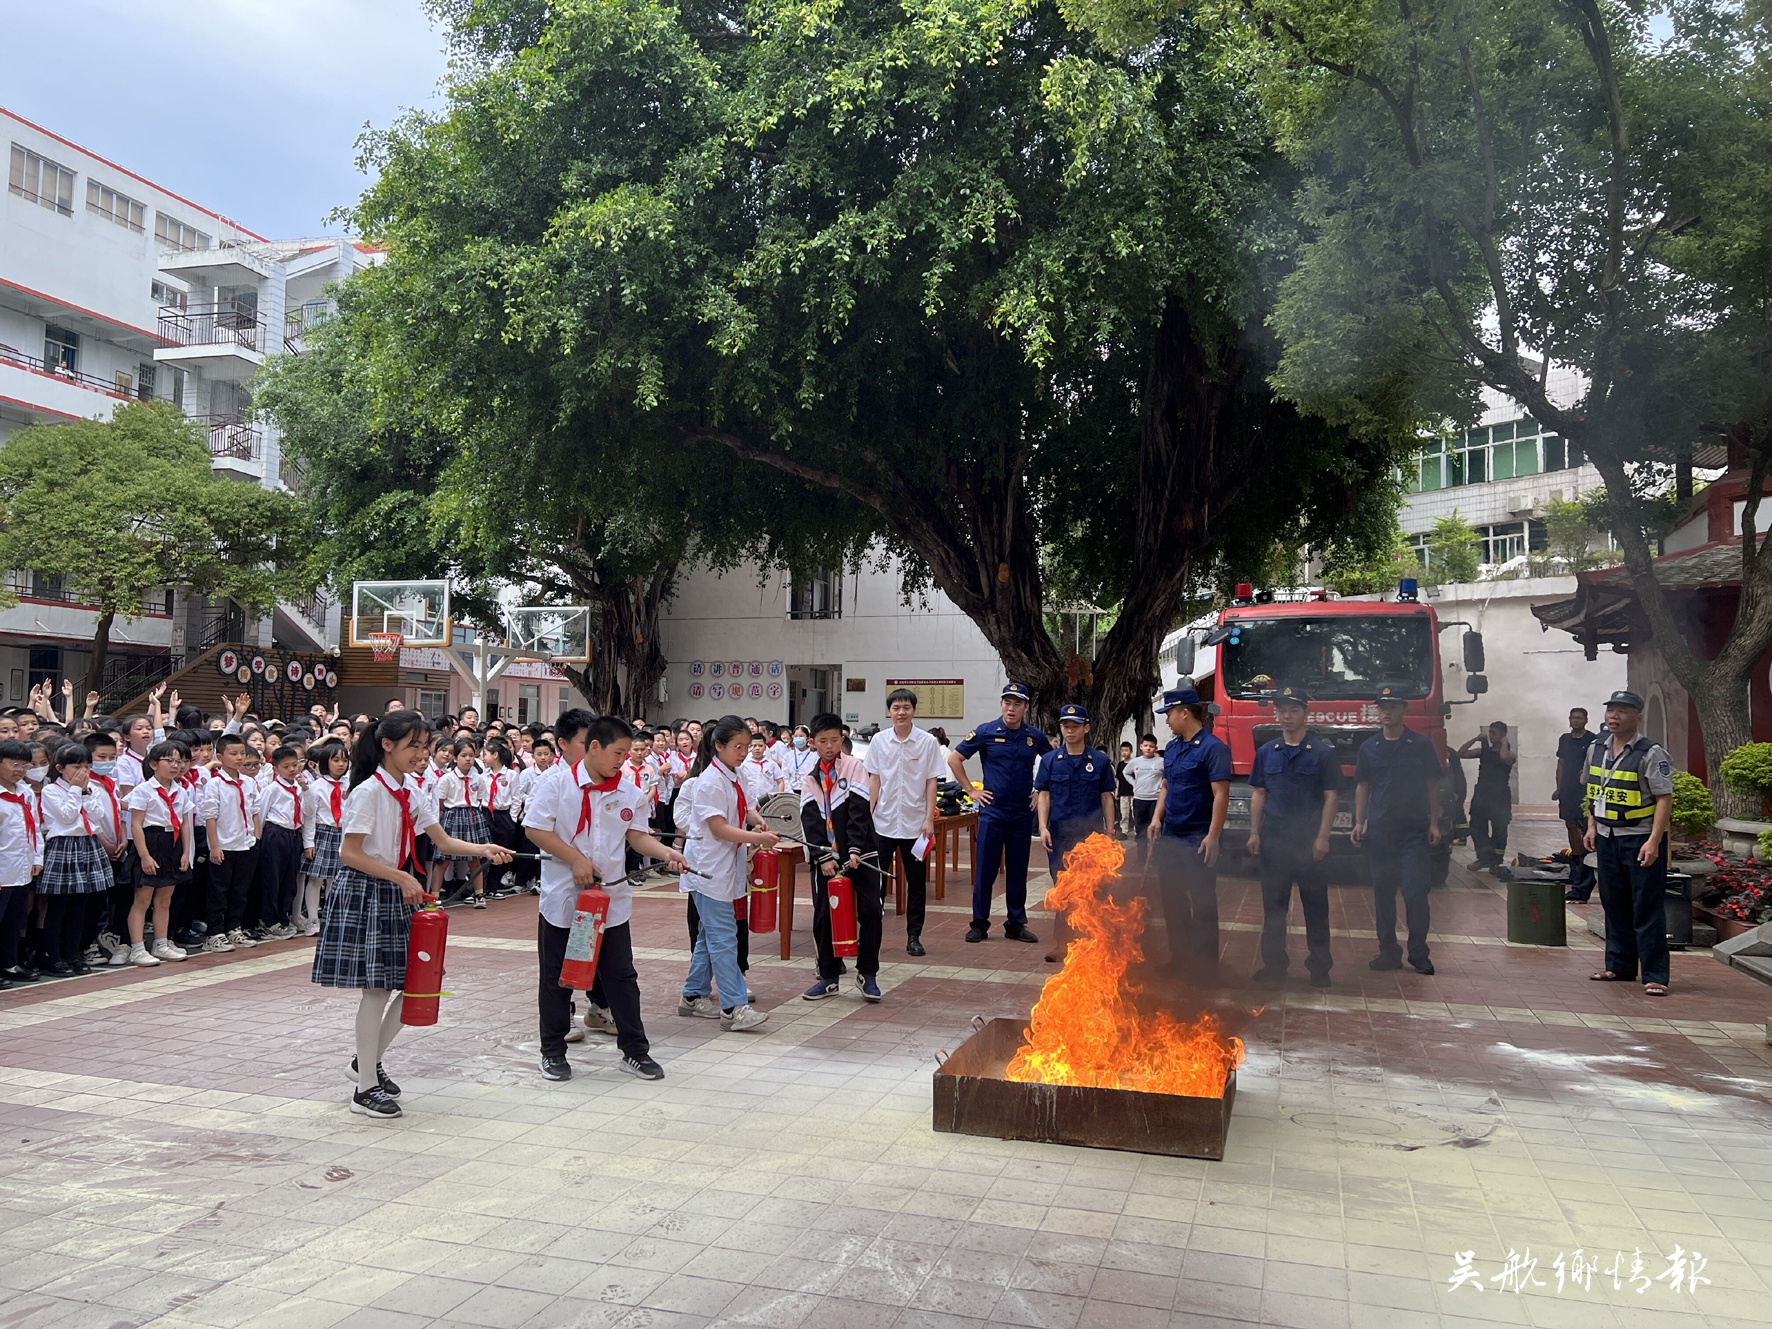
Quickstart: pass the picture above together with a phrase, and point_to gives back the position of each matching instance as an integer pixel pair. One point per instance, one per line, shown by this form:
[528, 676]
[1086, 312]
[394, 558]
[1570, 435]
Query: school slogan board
[937, 698]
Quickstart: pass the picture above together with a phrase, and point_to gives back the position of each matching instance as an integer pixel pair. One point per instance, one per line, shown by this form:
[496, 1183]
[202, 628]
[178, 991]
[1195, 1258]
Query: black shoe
[60, 969]
[1425, 967]
[1269, 977]
[1575, 897]
[556, 1068]
[388, 1087]
[5, 983]
[1319, 980]
[1020, 934]
[374, 1103]
[20, 973]
[978, 932]
[914, 947]
[643, 1066]
[1384, 962]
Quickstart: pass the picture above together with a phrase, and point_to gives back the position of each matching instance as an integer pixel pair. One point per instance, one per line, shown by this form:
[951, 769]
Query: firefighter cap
[1393, 692]
[1178, 697]
[1072, 711]
[1297, 695]
[1018, 690]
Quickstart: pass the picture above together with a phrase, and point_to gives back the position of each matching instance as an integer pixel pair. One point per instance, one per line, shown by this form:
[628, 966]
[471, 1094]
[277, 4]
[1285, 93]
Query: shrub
[1748, 769]
[1693, 813]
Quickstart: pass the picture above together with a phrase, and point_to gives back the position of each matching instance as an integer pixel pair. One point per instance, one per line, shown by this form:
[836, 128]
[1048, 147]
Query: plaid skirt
[470, 824]
[363, 934]
[324, 864]
[74, 865]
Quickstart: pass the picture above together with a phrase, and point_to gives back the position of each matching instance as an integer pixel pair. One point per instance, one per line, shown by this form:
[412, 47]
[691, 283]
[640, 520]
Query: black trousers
[1398, 857]
[617, 989]
[1189, 888]
[230, 884]
[744, 934]
[1287, 857]
[916, 881]
[279, 872]
[869, 921]
[1491, 810]
[1632, 896]
[1143, 809]
[64, 927]
[15, 906]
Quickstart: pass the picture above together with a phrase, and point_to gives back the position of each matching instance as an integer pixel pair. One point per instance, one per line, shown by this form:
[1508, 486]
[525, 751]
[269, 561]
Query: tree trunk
[1722, 704]
[626, 661]
[101, 650]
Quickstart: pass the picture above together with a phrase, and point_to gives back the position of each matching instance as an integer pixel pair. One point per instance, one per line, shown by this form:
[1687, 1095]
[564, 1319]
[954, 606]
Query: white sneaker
[121, 956]
[165, 950]
[705, 1007]
[238, 938]
[216, 945]
[743, 1020]
[312, 930]
[138, 955]
[108, 942]
[280, 932]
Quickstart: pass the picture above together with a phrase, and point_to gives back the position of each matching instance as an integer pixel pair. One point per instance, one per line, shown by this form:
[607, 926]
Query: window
[41, 181]
[816, 595]
[46, 665]
[528, 702]
[1333, 658]
[1491, 452]
[112, 206]
[1503, 541]
[433, 705]
[61, 349]
[145, 374]
[162, 294]
[174, 234]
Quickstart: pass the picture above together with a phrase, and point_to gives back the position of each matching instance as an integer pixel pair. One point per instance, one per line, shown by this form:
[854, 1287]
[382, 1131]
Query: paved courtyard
[175, 1150]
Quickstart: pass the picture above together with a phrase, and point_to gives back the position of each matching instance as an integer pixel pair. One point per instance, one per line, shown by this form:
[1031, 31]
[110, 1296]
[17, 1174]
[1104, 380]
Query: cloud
[250, 107]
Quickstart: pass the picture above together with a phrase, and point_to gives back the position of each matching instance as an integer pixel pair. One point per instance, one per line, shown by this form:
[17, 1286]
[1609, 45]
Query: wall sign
[937, 698]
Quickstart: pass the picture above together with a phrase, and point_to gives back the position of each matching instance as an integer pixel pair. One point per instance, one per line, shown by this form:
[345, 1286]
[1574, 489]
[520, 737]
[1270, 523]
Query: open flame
[1086, 1029]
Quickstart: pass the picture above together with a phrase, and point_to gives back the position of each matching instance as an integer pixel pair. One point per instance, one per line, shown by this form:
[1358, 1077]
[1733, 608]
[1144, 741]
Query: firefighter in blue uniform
[1186, 828]
[1007, 750]
[1294, 785]
[1397, 818]
[1075, 789]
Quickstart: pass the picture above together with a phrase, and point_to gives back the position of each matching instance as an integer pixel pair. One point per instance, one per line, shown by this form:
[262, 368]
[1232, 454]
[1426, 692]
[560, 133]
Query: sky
[249, 107]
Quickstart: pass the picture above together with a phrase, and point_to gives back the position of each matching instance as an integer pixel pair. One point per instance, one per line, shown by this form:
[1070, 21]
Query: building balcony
[236, 444]
[224, 340]
[27, 381]
[222, 265]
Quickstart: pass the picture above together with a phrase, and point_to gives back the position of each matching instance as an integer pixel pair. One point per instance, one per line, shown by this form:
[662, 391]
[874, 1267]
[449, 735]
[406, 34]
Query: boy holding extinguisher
[584, 817]
[834, 814]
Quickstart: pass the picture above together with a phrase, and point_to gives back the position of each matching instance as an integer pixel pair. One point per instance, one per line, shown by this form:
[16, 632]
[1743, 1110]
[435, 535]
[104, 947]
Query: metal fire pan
[972, 1097]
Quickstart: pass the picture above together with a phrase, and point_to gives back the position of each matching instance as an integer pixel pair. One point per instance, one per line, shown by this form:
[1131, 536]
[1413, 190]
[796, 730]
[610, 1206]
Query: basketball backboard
[562, 631]
[417, 610]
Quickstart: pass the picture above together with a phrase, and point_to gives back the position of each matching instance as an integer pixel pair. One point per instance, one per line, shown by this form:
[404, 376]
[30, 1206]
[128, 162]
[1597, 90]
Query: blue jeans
[1398, 859]
[1636, 918]
[715, 960]
[1008, 838]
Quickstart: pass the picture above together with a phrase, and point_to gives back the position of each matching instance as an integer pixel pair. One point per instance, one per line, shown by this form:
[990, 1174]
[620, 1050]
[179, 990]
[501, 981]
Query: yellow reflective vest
[1615, 788]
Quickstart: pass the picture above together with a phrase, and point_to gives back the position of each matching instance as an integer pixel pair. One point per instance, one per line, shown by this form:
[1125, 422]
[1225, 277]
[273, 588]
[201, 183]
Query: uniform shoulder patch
[1665, 767]
[970, 737]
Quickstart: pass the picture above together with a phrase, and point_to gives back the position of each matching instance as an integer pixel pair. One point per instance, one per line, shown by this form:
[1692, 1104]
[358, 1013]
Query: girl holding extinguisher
[369, 910]
[720, 813]
[834, 815]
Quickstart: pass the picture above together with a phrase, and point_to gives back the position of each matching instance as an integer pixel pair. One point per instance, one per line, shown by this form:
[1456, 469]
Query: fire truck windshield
[1344, 657]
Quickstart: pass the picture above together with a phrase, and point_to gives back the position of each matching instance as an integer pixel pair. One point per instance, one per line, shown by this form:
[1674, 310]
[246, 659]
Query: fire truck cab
[1340, 652]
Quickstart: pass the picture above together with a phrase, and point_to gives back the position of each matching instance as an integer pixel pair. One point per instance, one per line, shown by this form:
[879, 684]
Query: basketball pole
[475, 663]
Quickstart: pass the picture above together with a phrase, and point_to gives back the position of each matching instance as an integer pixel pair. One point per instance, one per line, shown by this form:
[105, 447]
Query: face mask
[37, 772]
[104, 768]
[799, 740]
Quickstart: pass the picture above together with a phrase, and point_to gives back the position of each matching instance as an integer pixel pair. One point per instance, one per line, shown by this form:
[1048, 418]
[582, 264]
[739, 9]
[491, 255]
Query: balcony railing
[12, 356]
[313, 607]
[291, 471]
[233, 437]
[221, 324]
[42, 588]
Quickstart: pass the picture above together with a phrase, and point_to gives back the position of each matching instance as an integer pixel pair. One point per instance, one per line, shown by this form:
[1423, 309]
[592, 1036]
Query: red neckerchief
[408, 834]
[585, 790]
[82, 793]
[825, 776]
[189, 778]
[737, 788]
[240, 792]
[467, 786]
[294, 797]
[492, 792]
[109, 785]
[178, 825]
[30, 821]
[338, 798]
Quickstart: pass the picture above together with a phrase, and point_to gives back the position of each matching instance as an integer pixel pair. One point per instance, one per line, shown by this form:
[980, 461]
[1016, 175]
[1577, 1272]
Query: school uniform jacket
[844, 814]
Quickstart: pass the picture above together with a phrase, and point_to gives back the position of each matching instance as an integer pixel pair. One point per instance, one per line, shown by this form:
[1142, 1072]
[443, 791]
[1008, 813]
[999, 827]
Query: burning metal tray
[972, 1097]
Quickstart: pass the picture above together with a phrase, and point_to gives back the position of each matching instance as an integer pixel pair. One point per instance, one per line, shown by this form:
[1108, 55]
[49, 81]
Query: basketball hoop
[386, 645]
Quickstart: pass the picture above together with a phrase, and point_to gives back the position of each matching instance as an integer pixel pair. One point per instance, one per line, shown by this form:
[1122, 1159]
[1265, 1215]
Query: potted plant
[1694, 812]
[1747, 771]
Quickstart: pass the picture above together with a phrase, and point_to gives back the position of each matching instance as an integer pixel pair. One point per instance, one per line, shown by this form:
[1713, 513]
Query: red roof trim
[124, 170]
[42, 410]
[90, 313]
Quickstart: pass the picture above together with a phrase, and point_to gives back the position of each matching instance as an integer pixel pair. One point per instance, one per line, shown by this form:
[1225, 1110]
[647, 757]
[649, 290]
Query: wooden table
[791, 858]
[966, 821]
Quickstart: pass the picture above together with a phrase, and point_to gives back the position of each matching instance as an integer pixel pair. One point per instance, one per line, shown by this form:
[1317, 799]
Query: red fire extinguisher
[579, 970]
[765, 880]
[425, 944]
[840, 894]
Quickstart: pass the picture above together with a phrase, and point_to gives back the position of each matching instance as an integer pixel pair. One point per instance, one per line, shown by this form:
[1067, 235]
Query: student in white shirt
[112, 830]
[76, 869]
[904, 766]
[229, 808]
[502, 771]
[761, 776]
[21, 857]
[162, 826]
[719, 857]
[368, 914]
[800, 759]
[282, 835]
[586, 817]
[322, 810]
[1145, 771]
[138, 737]
[462, 793]
[541, 755]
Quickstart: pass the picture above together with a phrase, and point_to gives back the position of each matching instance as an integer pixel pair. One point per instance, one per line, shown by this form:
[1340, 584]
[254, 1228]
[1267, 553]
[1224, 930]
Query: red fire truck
[1339, 651]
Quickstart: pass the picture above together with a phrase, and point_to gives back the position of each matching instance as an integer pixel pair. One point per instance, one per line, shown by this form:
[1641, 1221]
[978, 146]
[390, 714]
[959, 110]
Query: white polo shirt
[372, 811]
[715, 793]
[905, 766]
[595, 820]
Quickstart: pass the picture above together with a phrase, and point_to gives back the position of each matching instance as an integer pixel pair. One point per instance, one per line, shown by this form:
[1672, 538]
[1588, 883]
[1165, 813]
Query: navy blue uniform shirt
[1190, 767]
[1296, 778]
[1076, 784]
[1399, 771]
[1007, 756]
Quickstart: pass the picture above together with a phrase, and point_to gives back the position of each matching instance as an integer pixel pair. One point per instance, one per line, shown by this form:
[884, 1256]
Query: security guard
[1630, 784]
[1397, 817]
[1294, 788]
[1075, 788]
[1007, 750]
[1185, 830]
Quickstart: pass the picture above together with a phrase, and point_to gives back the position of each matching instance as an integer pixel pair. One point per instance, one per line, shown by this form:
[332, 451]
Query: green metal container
[1535, 913]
